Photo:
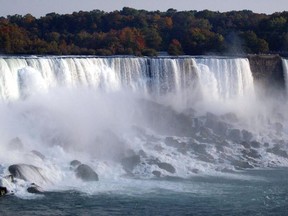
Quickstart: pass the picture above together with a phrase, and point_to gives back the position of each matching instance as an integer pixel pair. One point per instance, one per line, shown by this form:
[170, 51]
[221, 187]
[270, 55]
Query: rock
[241, 164]
[3, 191]
[142, 153]
[86, 173]
[277, 151]
[278, 127]
[267, 72]
[37, 153]
[247, 136]
[230, 117]
[156, 173]
[16, 143]
[75, 163]
[166, 166]
[199, 148]
[170, 141]
[206, 132]
[235, 135]
[246, 145]
[129, 163]
[35, 189]
[164, 120]
[252, 153]
[255, 144]
[27, 172]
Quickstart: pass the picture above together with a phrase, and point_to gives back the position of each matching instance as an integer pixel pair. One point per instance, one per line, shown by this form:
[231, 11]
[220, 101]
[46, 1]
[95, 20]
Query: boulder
[15, 143]
[39, 154]
[247, 136]
[235, 135]
[255, 144]
[156, 173]
[86, 173]
[35, 189]
[230, 117]
[27, 172]
[277, 151]
[129, 163]
[74, 164]
[166, 166]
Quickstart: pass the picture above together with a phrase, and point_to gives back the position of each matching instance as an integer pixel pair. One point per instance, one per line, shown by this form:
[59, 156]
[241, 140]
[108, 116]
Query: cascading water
[133, 116]
[183, 78]
[285, 68]
[226, 78]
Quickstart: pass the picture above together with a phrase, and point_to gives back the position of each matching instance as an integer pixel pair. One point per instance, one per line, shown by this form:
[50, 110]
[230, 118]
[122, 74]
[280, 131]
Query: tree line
[139, 32]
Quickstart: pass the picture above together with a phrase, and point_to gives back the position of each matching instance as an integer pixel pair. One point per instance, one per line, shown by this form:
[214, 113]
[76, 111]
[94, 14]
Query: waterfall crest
[212, 78]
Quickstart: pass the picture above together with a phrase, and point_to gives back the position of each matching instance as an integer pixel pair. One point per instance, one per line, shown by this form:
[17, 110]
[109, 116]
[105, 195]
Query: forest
[145, 33]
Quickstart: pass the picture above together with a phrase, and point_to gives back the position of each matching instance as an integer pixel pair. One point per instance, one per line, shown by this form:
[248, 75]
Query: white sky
[41, 7]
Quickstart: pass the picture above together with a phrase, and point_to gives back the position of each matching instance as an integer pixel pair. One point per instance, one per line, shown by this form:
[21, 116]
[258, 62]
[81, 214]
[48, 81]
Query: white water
[71, 108]
[227, 78]
[285, 68]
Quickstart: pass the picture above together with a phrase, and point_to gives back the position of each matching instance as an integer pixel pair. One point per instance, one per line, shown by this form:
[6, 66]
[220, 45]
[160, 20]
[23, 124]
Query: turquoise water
[255, 192]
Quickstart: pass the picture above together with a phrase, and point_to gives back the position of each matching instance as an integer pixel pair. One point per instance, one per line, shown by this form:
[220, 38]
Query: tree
[175, 48]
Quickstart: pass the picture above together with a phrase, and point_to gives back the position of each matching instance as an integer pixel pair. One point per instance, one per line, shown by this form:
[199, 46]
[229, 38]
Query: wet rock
[220, 148]
[110, 146]
[166, 166]
[156, 173]
[252, 153]
[230, 117]
[27, 172]
[39, 154]
[278, 127]
[255, 144]
[86, 173]
[15, 143]
[278, 151]
[241, 164]
[170, 141]
[206, 132]
[34, 189]
[246, 145]
[129, 163]
[158, 148]
[235, 135]
[164, 119]
[74, 164]
[142, 153]
[247, 136]
[199, 148]
[211, 117]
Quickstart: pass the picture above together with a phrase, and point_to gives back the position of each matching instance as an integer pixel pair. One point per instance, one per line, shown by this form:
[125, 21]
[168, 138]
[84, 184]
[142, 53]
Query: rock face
[267, 71]
[86, 173]
[164, 119]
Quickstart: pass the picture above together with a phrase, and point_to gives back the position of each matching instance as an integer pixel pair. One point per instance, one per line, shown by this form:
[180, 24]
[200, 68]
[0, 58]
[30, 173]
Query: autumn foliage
[140, 32]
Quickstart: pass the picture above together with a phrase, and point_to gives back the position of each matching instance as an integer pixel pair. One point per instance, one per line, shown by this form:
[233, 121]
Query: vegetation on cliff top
[140, 32]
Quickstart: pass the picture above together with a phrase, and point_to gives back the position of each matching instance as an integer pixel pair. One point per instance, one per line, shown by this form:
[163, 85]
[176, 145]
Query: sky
[41, 7]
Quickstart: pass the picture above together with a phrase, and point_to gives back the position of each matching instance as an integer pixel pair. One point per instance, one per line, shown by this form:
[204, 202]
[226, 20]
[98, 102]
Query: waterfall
[285, 70]
[178, 79]
[223, 78]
